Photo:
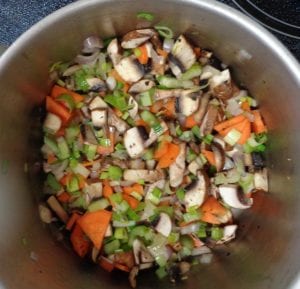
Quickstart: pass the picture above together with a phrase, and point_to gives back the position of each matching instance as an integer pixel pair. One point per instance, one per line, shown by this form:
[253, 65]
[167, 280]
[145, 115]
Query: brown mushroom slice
[234, 197]
[135, 107]
[199, 114]
[99, 117]
[141, 253]
[118, 123]
[96, 84]
[261, 180]
[159, 184]
[158, 62]
[149, 176]
[219, 155]
[113, 51]
[130, 69]
[229, 232]
[97, 103]
[167, 93]
[88, 134]
[209, 120]
[164, 224]
[177, 168]
[136, 38]
[153, 136]
[183, 52]
[187, 104]
[132, 276]
[141, 86]
[134, 141]
[196, 191]
[221, 85]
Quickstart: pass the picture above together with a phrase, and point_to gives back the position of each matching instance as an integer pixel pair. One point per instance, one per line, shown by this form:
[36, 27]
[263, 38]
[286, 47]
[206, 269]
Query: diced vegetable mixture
[148, 146]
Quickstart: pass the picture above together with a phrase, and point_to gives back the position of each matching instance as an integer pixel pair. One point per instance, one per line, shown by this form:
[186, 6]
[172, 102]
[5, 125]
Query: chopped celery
[161, 260]
[98, 205]
[71, 133]
[90, 151]
[117, 101]
[53, 183]
[191, 155]
[216, 233]
[191, 216]
[232, 137]
[75, 150]
[148, 155]
[141, 181]
[208, 139]
[187, 242]
[173, 237]
[123, 206]
[80, 202]
[125, 115]
[202, 232]
[145, 98]
[116, 198]
[68, 100]
[73, 184]
[104, 142]
[178, 130]
[180, 194]
[192, 72]
[115, 173]
[149, 118]
[63, 149]
[166, 209]
[80, 81]
[104, 176]
[111, 247]
[161, 272]
[121, 234]
[132, 215]
[145, 15]
[186, 136]
[172, 82]
[51, 144]
[137, 52]
[142, 231]
[119, 147]
[164, 31]
[73, 163]
[155, 196]
[124, 223]
[136, 195]
[196, 131]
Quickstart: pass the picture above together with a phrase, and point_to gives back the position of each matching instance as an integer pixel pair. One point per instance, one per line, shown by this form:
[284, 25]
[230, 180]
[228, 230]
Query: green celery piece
[53, 183]
[145, 15]
[73, 185]
[90, 151]
[180, 193]
[80, 81]
[52, 144]
[121, 234]
[216, 233]
[63, 149]
[111, 247]
[161, 272]
[196, 131]
[149, 118]
[118, 102]
[71, 133]
[97, 205]
[68, 99]
[192, 72]
[115, 173]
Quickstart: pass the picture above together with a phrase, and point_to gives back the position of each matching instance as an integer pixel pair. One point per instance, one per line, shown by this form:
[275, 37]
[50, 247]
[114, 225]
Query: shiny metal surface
[267, 251]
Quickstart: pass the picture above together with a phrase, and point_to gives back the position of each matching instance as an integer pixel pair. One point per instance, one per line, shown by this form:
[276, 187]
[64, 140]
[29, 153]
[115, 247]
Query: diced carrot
[238, 126]
[141, 122]
[106, 264]
[197, 51]
[166, 160]
[134, 188]
[72, 221]
[51, 158]
[125, 87]
[66, 179]
[107, 189]
[245, 106]
[58, 109]
[81, 181]
[94, 225]
[246, 132]
[80, 243]
[143, 57]
[157, 106]
[190, 121]
[258, 125]
[212, 211]
[125, 258]
[133, 202]
[58, 90]
[209, 156]
[162, 52]
[161, 150]
[122, 267]
[88, 164]
[64, 197]
[229, 123]
[169, 108]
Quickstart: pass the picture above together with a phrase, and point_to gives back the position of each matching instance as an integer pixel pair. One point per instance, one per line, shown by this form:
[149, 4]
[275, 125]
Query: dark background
[16, 16]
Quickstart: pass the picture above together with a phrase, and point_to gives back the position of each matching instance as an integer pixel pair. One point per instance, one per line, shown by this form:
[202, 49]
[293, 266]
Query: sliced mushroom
[88, 134]
[209, 120]
[113, 51]
[97, 103]
[158, 62]
[58, 209]
[257, 160]
[132, 276]
[45, 214]
[199, 114]
[167, 93]
[196, 191]
[218, 79]
[141, 86]
[99, 117]
[141, 253]
[96, 84]
[52, 122]
[187, 104]
[183, 52]
[175, 65]
[228, 234]
[219, 155]
[134, 141]
[177, 168]
[164, 224]
[261, 180]
[135, 107]
[153, 135]
[130, 69]
[234, 197]
[118, 123]
[136, 38]
[149, 176]
[208, 72]
[193, 167]
[94, 190]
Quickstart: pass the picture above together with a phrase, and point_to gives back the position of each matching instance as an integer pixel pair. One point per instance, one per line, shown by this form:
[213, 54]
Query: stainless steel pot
[267, 251]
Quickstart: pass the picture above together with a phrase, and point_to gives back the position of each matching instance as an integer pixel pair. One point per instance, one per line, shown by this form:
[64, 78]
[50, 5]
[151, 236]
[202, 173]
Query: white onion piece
[168, 44]
[111, 83]
[189, 229]
[82, 59]
[71, 70]
[231, 196]
[82, 170]
[200, 251]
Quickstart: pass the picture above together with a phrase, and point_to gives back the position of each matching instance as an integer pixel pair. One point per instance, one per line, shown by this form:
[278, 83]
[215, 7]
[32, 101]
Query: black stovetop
[281, 17]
